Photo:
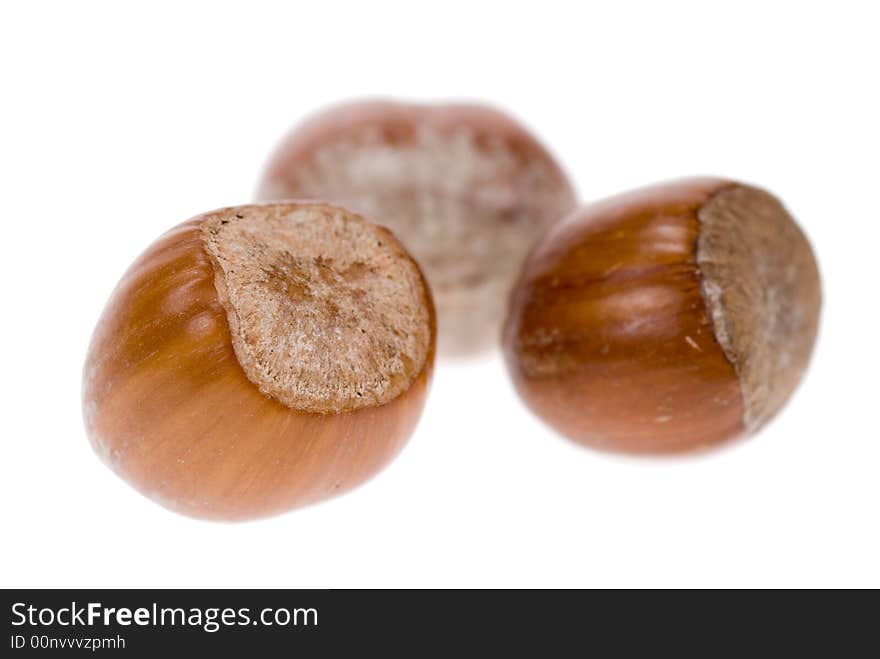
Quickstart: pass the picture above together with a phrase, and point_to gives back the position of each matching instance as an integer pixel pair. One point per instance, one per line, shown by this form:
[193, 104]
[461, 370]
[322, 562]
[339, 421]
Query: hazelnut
[258, 358]
[466, 189]
[666, 319]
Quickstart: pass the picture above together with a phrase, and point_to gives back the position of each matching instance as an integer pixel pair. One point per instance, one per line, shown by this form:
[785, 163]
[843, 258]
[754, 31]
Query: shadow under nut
[171, 407]
[666, 319]
[464, 187]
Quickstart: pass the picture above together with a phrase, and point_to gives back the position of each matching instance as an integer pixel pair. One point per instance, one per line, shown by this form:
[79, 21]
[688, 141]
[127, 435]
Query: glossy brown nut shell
[667, 319]
[170, 408]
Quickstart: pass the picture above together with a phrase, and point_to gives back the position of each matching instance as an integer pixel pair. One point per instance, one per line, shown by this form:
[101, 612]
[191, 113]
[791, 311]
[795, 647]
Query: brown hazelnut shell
[169, 408]
[665, 320]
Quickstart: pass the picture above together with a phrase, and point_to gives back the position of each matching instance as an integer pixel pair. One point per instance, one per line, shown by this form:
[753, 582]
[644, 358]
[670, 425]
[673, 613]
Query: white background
[118, 122]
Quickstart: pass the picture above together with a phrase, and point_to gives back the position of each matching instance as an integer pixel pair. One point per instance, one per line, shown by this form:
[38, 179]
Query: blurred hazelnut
[465, 188]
